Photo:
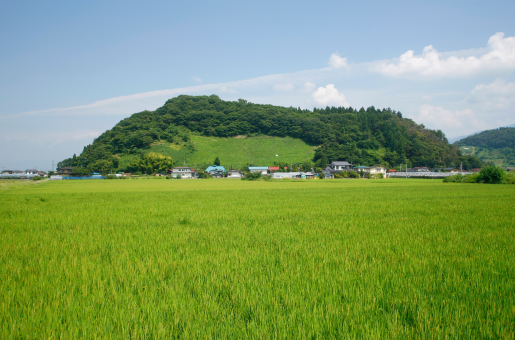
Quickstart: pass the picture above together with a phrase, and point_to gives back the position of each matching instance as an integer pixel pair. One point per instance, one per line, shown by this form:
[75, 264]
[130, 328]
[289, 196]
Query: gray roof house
[335, 167]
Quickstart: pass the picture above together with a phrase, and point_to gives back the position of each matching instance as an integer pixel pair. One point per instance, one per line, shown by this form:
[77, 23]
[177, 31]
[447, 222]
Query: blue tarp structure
[86, 177]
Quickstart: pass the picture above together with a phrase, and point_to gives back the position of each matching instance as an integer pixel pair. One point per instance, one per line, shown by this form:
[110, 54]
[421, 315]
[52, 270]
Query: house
[308, 175]
[362, 168]
[235, 174]
[273, 168]
[377, 169]
[335, 167]
[340, 165]
[14, 172]
[421, 169]
[32, 172]
[183, 171]
[261, 169]
[392, 170]
[216, 171]
[452, 170]
[64, 171]
[217, 174]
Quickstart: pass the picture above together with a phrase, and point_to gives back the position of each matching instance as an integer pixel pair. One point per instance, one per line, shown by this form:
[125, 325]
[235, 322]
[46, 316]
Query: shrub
[111, 177]
[36, 178]
[491, 174]
[252, 176]
[321, 175]
[509, 178]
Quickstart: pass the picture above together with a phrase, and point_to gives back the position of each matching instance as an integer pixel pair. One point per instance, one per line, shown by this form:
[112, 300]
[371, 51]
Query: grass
[235, 152]
[276, 259]
[9, 184]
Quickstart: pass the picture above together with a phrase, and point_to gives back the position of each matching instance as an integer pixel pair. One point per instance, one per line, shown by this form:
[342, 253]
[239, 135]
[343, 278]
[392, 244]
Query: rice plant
[277, 259]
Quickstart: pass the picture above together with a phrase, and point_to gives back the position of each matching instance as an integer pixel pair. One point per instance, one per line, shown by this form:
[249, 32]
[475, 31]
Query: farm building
[421, 169]
[261, 169]
[294, 175]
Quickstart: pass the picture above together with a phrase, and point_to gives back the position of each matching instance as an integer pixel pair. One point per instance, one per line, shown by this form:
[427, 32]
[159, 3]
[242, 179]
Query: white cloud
[329, 96]
[284, 87]
[197, 79]
[336, 61]
[440, 118]
[499, 94]
[500, 55]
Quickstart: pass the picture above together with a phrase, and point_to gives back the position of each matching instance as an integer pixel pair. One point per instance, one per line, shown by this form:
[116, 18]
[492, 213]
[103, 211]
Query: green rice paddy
[327, 259]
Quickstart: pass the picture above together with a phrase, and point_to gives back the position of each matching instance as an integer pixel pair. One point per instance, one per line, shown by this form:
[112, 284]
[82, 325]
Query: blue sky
[71, 70]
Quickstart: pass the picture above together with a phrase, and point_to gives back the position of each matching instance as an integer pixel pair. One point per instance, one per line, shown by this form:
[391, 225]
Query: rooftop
[215, 167]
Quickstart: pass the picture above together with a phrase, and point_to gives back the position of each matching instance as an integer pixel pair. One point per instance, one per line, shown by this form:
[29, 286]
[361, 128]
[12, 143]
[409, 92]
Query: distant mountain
[456, 139]
[365, 136]
[497, 146]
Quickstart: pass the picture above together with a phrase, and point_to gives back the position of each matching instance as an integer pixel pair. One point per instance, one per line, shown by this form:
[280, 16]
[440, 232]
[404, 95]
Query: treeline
[361, 136]
[497, 138]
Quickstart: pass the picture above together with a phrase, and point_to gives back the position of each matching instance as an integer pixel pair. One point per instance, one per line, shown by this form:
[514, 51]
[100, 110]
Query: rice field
[320, 259]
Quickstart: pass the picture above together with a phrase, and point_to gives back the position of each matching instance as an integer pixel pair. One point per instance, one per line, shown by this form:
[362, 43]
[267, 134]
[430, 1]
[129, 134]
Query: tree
[217, 161]
[80, 172]
[152, 162]
[491, 174]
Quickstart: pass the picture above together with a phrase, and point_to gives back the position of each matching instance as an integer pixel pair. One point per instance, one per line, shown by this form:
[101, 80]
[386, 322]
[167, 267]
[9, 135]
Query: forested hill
[497, 138]
[361, 136]
[491, 146]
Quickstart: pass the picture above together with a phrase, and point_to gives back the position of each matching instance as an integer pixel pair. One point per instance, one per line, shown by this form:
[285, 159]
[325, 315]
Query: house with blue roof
[216, 171]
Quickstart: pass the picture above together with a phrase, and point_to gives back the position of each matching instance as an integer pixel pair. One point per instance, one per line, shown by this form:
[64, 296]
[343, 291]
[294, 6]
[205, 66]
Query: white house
[183, 171]
[340, 165]
[235, 174]
[377, 169]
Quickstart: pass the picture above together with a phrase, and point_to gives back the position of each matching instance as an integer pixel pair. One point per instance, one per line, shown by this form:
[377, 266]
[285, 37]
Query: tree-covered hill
[365, 136]
[503, 137]
[495, 146]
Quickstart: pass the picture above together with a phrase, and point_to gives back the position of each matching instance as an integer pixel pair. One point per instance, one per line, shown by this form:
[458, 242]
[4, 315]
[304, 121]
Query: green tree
[81, 172]
[217, 161]
[491, 174]
[150, 163]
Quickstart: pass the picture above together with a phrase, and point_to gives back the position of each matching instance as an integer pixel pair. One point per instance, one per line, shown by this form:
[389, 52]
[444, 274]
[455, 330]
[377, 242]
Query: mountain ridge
[365, 136]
